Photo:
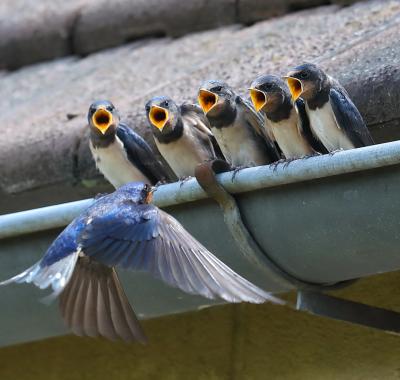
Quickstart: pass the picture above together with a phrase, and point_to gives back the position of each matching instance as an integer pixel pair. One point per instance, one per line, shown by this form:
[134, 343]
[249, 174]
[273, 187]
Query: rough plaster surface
[44, 142]
[85, 26]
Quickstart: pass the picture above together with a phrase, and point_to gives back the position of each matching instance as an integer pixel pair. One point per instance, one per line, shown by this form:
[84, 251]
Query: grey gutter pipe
[249, 179]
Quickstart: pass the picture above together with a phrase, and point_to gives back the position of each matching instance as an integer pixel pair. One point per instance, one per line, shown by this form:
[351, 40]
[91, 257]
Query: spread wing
[194, 115]
[142, 237]
[305, 128]
[94, 304]
[348, 118]
[257, 122]
[141, 155]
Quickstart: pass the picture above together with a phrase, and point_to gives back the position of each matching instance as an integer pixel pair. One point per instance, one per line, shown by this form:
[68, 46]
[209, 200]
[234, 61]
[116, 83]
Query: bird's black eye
[166, 104]
[109, 108]
[304, 75]
[147, 108]
[217, 88]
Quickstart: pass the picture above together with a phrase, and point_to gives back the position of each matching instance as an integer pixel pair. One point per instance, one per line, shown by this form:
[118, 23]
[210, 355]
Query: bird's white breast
[113, 162]
[289, 138]
[324, 126]
[184, 154]
[239, 145]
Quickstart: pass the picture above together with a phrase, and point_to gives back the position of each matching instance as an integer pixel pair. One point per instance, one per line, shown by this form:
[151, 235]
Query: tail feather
[94, 304]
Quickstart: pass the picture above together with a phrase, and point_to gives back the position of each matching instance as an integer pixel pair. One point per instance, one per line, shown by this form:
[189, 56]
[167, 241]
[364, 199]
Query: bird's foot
[315, 154]
[236, 170]
[161, 182]
[335, 151]
[284, 161]
[183, 180]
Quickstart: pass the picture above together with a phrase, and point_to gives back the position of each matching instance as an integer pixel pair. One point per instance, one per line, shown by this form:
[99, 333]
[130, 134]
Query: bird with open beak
[182, 135]
[120, 154]
[236, 126]
[287, 120]
[334, 119]
[125, 230]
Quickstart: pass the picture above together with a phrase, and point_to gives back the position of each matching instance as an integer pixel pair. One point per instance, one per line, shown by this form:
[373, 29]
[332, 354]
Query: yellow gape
[207, 100]
[295, 87]
[258, 99]
[158, 117]
[102, 119]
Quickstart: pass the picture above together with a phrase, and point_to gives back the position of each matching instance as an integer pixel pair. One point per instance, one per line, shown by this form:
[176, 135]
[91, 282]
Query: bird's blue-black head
[163, 115]
[268, 93]
[137, 192]
[306, 81]
[216, 98]
[103, 117]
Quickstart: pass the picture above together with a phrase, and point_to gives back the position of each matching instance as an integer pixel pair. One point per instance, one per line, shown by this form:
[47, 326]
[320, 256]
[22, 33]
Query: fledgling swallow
[288, 121]
[120, 154]
[334, 119]
[124, 230]
[237, 128]
[182, 134]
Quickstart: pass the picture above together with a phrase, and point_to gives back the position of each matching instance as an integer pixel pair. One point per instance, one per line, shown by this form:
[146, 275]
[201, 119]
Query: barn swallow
[120, 154]
[288, 121]
[125, 230]
[334, 119]
[237, 128]
[182, 134]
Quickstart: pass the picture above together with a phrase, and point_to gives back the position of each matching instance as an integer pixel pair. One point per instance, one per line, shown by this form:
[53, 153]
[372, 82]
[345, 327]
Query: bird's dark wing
[141, 155]
[94, 304]
[57, 265]
[305, 128]
[257, 122]
[142, 237]
[195, 115]
[348, 118]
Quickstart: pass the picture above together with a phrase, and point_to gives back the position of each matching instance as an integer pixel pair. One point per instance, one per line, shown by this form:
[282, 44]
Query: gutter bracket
[348, 311]
[205, 174]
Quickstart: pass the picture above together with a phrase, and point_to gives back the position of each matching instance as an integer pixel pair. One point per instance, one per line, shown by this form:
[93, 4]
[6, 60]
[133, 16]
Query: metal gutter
[246, 180]
[322, 220]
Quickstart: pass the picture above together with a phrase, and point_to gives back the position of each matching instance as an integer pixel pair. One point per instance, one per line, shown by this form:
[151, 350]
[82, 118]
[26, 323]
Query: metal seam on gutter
[250, 179]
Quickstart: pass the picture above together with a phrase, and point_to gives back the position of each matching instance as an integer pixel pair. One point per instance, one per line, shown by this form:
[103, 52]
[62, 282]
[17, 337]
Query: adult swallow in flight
[124, 230]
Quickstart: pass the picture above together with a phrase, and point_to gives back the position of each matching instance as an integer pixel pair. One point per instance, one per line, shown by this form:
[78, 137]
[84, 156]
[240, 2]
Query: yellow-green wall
[226, 342]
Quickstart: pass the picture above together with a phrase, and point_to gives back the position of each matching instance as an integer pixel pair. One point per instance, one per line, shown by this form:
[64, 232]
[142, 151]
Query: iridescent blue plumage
[123, 230]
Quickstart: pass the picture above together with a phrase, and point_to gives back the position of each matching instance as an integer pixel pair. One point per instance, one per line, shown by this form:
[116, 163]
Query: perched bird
[237, 128]
[334, 119]
[120, 153]
[182, 134]
[287, 120]
[124, 230]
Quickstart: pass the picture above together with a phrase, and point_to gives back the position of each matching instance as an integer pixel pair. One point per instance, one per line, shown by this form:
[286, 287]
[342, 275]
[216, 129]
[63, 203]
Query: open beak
[258, 98]
[295, 87]
[207, 100]
[102, 119]
[158, 117]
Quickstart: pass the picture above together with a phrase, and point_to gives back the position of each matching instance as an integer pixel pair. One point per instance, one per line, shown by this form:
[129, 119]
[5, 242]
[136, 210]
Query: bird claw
[284, 161]
[236, 170]
[161, 182]
[335, 151]
[183, 180]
